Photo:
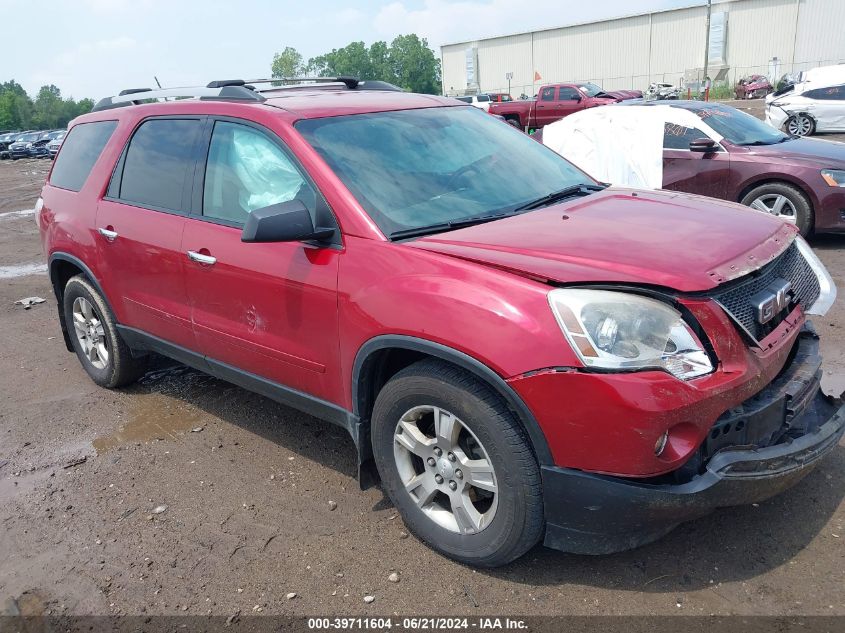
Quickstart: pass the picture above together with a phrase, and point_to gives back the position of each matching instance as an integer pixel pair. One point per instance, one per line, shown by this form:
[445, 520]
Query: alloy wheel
[776, 204]
[445, 469]
[799, 125]
[90, 333]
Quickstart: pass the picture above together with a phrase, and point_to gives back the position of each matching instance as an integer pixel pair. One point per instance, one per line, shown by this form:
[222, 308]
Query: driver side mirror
[283, 222]
[703, 145]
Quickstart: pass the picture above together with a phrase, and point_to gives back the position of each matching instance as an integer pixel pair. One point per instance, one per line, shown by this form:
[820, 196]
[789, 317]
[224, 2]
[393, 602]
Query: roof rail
[286, 83]
[350, 82]
[134, 96]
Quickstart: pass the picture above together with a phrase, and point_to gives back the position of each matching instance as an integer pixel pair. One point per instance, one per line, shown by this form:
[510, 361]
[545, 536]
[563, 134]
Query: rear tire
[514, 123]
[95, 339]
[486, 509]
[784, 201]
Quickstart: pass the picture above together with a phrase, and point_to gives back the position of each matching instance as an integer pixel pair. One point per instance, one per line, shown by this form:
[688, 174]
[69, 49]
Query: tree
[414, 65]
[407, 62]
[49, 110]
[288, 63]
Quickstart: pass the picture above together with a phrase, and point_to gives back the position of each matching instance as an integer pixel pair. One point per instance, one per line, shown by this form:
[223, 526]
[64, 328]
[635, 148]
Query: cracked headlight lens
[626, 332]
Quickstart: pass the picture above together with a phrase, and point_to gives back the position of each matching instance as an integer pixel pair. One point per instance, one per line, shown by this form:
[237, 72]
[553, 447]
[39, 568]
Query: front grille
[735, 297]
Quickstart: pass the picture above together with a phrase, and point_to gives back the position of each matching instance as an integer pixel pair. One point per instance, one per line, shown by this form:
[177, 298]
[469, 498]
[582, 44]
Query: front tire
[800, 125]
[784, 201]
[95, 339]
[457, 465]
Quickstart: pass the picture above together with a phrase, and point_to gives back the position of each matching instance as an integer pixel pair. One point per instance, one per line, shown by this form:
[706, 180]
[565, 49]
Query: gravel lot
[184, 495]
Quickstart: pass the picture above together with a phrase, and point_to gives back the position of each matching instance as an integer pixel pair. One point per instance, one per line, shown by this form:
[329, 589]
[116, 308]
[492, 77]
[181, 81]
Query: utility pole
[706, 45]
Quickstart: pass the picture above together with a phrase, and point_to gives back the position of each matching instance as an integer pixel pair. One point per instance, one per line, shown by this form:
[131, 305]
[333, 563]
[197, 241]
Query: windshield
[417, 168]
[26, 138]
[740, 128]
[590, 89]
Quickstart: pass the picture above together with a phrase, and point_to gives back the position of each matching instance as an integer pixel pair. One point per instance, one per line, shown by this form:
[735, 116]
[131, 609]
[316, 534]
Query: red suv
[522, 352]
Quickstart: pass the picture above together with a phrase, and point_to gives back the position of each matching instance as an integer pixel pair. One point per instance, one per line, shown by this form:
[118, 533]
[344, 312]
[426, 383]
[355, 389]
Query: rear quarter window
[80, 150]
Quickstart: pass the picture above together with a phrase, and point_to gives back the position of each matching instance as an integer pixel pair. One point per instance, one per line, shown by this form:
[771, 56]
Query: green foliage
[288, 63]
[407, 62]
[48, 111]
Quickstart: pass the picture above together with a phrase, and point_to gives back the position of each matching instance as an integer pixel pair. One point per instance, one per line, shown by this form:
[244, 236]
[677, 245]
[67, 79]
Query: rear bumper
[588, 513]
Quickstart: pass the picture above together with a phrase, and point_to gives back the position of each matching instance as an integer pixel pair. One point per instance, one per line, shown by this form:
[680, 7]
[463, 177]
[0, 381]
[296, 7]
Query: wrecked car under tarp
[620, 145]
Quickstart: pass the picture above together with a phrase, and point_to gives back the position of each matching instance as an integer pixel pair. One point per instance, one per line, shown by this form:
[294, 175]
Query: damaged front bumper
[588, 513]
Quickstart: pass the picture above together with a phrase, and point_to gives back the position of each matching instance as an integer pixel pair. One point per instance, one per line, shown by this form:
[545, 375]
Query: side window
[80, 151]
[679, 137]
[157, 161]
[566, 94]
[547, 94]
[833, 93]
[248, 171]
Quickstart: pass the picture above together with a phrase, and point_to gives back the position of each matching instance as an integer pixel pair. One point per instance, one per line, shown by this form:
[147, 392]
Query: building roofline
[697, 5]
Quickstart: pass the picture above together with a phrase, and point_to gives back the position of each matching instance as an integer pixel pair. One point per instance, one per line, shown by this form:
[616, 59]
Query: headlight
[827, 289]
[28, 145]
[624, 332]
[834, 177]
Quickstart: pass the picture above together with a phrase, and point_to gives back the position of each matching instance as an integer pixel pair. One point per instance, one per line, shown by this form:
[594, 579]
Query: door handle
[208, 260]
[110, 235]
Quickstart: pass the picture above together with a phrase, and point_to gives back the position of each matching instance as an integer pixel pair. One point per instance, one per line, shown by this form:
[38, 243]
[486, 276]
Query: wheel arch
[786, 179]
[797, 113]
[61, 267]
[382, 357]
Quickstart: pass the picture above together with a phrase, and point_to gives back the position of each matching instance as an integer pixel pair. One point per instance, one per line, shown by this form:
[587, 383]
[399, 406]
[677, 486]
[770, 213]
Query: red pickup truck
[555, 101]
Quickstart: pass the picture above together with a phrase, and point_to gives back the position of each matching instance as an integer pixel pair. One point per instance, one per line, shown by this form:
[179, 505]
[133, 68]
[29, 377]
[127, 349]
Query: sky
[95, 48]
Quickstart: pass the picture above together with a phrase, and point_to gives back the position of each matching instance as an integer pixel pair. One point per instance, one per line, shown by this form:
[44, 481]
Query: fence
[684, 78]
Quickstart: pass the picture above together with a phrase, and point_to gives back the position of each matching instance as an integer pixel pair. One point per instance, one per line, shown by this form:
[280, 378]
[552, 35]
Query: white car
[815, 103]
[479, 101]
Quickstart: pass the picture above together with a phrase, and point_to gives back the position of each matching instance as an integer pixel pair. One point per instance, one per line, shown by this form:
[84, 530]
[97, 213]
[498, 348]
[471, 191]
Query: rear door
[828, 108]
[139, 228]
[267, 309]
[706, 174]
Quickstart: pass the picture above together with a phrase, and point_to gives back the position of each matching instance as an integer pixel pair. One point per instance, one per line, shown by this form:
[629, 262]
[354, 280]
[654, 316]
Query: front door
[704, 173]
[268, 309]
[139, 230]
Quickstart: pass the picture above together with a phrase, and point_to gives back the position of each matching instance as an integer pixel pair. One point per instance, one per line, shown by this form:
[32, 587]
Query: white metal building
[668, 46]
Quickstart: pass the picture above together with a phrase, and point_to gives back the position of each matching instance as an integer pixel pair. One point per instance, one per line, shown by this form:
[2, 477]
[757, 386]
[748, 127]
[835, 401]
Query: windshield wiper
[448, 226]
[582, 189]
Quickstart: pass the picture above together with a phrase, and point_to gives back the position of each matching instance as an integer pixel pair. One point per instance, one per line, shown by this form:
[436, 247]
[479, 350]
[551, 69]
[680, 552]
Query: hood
[826, 154]
[659, 238]
[622, 95]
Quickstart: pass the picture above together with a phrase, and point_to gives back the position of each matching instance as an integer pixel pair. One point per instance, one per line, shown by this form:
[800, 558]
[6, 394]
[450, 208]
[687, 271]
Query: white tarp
[620, 145]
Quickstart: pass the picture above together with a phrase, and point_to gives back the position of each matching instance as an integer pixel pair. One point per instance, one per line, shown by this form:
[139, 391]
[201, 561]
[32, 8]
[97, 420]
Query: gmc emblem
[772, 300]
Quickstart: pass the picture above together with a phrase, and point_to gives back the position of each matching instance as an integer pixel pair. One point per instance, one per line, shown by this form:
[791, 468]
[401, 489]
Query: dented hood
[661, 238]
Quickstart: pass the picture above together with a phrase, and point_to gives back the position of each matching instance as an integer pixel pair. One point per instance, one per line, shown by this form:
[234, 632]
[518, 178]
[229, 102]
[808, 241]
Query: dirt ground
[184, 495]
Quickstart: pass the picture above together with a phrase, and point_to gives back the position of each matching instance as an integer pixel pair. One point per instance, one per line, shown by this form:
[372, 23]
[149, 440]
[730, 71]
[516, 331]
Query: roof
[313, 104]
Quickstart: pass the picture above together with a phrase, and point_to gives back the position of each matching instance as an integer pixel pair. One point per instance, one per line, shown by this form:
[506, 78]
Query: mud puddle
[160, 416]
[154, 417]
[22, 270]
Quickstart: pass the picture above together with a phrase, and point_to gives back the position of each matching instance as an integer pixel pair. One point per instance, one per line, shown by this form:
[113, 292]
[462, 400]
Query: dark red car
[753, 87]
[521, 352]
[718, 151]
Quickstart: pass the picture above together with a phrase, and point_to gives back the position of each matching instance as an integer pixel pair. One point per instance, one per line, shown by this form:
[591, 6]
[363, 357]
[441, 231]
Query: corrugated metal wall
[632, 51]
